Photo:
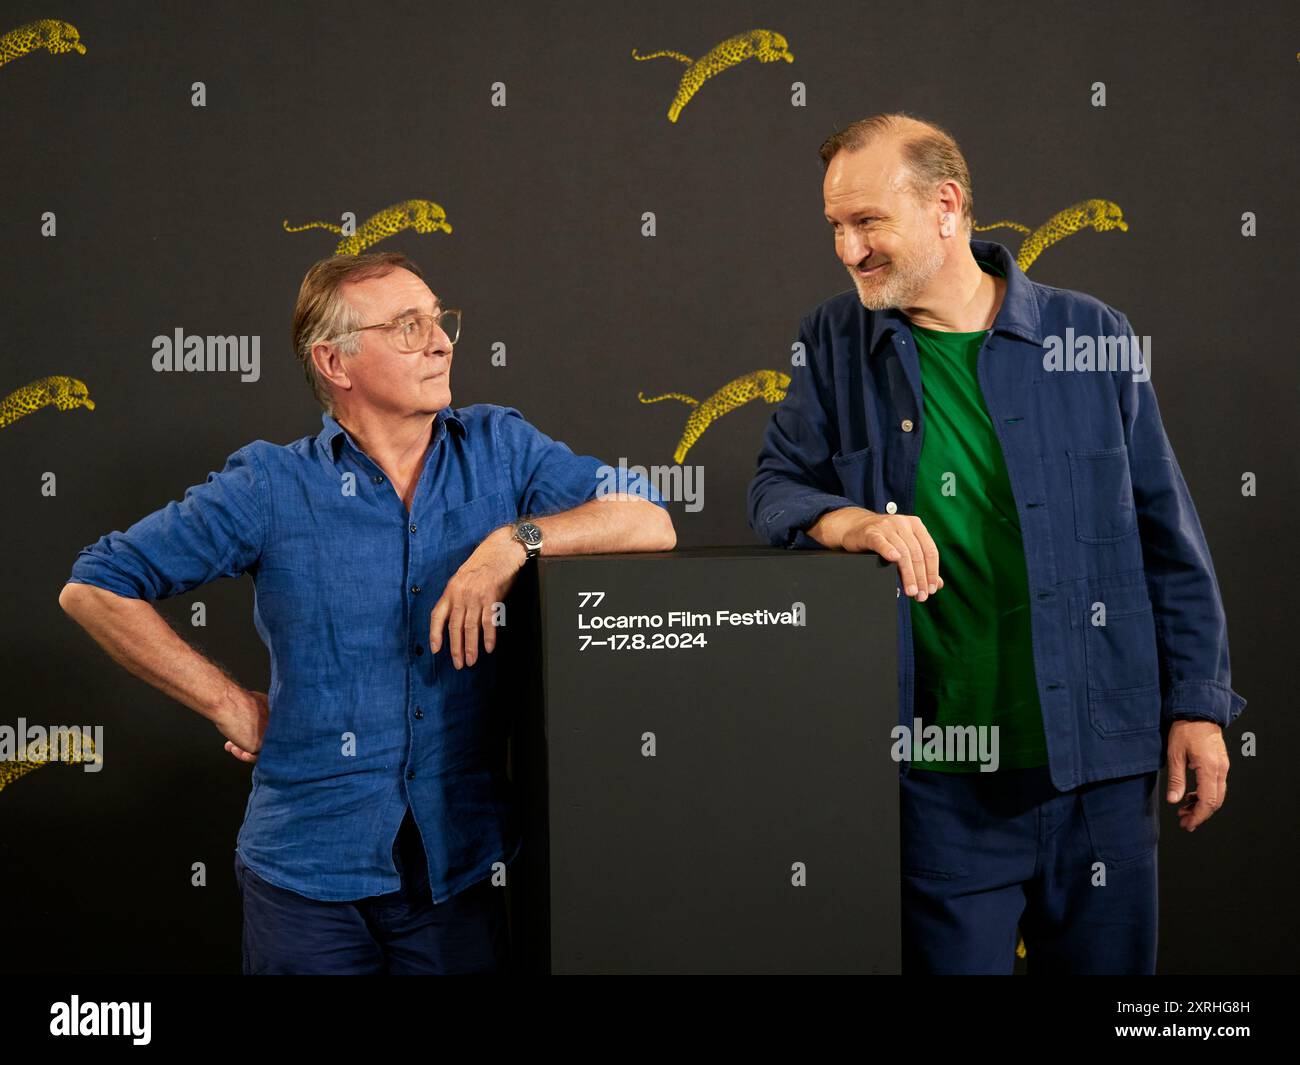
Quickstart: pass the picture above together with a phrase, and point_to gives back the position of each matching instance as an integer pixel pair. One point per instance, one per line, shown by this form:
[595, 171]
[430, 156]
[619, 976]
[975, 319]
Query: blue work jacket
[1108, 525]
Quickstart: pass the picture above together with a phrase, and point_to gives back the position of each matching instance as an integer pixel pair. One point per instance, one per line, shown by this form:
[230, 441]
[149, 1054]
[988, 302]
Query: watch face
[529, 533]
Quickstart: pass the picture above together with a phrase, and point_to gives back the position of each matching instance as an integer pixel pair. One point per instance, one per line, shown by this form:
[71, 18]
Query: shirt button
[419, 714]
[410, 774]
[907, 425]
[412, 526]
[891, 507]
[419, 649]
[415, 589]
[377, 479]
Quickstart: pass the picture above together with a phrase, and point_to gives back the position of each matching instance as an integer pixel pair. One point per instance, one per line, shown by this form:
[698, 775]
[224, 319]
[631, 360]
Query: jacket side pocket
[1122, 663]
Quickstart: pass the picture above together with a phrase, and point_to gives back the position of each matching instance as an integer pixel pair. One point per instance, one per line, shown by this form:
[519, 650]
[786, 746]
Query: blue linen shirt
[1105, 513]
[364, 719]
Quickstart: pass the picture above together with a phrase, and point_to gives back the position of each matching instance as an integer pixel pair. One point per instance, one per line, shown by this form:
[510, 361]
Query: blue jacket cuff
[1207, 700]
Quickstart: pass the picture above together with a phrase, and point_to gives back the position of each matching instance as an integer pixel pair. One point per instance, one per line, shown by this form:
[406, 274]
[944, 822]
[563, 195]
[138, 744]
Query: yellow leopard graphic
[763, 45]
[48, 33]
[424, 216]
[64, 393]
[769, 385]
[78, 747]
[1100, 215]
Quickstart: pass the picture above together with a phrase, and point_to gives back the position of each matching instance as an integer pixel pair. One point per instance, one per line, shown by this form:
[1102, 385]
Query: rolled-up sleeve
[216, 530]
[795, 482]
[1191, 628]
[549, 478]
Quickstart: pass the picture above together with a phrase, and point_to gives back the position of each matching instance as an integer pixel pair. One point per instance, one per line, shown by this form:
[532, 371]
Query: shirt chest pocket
[464, 527]
[1102, 491]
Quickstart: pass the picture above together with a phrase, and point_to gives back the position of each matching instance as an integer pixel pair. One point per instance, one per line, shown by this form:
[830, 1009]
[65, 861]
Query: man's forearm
[607, 525]
[829, 529]
[138, 638]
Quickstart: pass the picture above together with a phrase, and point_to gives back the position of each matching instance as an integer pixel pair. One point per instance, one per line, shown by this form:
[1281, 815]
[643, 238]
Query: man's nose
[853, 249]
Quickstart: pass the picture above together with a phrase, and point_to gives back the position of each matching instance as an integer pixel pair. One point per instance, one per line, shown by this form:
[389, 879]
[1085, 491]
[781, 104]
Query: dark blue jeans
[983, 853]
[401, 933]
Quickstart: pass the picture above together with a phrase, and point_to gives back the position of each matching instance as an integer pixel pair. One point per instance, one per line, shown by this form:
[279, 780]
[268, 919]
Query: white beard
[901, 283]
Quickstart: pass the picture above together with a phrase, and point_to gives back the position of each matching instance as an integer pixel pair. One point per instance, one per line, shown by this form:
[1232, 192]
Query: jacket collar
[1017, 315]
[332, 433]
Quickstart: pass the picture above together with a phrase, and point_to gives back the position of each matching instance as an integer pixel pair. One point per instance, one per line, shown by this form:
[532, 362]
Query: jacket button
[907, 425]
[891, 507]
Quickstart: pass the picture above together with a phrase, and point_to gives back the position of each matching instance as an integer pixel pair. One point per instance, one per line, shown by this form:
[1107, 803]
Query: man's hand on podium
[899, 538]
[470, 599]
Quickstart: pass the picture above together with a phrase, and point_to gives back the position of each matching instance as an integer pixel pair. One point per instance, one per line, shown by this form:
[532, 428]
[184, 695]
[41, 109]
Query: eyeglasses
[412, 332]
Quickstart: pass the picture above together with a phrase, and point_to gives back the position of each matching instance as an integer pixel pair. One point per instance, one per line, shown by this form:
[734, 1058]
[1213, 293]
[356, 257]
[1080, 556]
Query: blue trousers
[985, 853]
[401, 933]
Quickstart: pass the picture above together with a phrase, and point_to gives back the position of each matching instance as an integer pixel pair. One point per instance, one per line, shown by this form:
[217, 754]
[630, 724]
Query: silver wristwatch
[530, 536]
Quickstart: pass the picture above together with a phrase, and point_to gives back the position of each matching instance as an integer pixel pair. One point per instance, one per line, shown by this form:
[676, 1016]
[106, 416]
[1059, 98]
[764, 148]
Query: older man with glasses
[380, 819]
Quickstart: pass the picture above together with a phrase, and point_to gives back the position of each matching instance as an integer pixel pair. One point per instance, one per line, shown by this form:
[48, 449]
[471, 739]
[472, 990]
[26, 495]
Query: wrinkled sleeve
[549, 478]
[216, 530]
[795, 482]
[1191, 628]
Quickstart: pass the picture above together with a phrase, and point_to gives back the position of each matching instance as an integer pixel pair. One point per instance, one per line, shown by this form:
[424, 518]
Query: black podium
[702, 759]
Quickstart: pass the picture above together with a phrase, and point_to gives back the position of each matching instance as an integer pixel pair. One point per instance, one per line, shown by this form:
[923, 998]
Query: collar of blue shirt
[1018, 314]
[332, 433]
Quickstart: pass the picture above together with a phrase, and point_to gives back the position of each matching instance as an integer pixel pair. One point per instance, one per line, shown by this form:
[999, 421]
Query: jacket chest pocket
[856, 471]
[1102, 491]
[1121, 659]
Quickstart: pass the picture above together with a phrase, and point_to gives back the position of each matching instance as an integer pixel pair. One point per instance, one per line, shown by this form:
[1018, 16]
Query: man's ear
[326, 356]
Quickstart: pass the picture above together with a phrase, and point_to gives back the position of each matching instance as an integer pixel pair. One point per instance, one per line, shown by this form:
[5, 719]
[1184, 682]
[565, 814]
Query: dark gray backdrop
[170, 215]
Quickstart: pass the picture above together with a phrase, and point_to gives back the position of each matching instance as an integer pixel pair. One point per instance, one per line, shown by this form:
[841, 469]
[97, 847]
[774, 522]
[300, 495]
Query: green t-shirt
[972, 644]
